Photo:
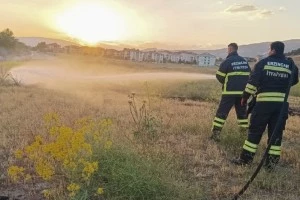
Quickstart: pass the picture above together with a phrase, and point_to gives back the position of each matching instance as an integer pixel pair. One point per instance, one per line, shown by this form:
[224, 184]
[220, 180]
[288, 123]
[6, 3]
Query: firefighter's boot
[273, 157]
[216, 135]
[245, 158]
[247, 155]
[271, 162]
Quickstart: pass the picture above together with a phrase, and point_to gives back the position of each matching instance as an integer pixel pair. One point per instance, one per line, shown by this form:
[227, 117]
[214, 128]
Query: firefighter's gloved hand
[244, 102]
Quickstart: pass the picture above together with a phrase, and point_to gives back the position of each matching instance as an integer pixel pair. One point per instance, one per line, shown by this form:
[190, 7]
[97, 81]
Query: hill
[295, 52]
[252, 50]
[249, 50]
[33, 41]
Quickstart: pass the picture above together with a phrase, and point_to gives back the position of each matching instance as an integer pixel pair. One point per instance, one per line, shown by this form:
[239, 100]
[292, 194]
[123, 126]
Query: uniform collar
[282, 56]
[232, 54]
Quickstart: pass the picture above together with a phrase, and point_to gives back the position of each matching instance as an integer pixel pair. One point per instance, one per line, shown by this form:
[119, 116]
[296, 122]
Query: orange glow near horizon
[91, 23]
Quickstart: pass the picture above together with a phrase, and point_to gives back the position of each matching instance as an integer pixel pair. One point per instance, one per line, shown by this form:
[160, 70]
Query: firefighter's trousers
[226, 103]
[265, 114]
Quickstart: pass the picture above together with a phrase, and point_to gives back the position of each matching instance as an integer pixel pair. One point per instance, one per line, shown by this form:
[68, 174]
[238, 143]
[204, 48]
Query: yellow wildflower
[33, 150]
[44, 169]
[89, 169]
[15, 172]
[51, 117]
[19, 154]
[100, 191]
[108, 144]
[38, 139]
[73, 189]
[88, 149]
[46, 193]
[72, 194]
[64, 150]
[28, 177]
[69, 165]
[53, 131]
[105, 124]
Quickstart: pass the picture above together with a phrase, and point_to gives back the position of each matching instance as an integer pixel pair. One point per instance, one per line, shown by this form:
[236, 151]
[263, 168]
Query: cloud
[251, 11]
[265, 13]
[238, 8]
[261, 14]
[282, 8]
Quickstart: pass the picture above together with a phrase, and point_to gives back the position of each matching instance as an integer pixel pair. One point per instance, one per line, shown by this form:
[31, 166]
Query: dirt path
[48, 71]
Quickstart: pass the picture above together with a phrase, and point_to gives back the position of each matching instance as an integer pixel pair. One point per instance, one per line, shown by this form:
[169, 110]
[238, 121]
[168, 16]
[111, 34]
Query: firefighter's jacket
[233, 74]
[270, 79]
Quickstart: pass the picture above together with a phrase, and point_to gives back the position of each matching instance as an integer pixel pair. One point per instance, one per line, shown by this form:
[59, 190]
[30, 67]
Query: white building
[126, 53]
[206, 60]
[149, 56]
[166, 55]
[183, 57]
[141, 56]
[134, 55]
[175, 57]
[158, 57]
[188, 57]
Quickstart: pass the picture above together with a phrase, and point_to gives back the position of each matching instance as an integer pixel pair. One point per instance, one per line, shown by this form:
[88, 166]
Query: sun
[91, 23]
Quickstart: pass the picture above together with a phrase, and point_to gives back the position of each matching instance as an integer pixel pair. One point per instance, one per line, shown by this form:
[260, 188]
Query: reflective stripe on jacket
[233, 74]
[270, 79]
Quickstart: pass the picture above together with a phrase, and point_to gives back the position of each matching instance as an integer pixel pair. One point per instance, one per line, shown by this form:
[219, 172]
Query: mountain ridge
[246, 50]
[253, 50]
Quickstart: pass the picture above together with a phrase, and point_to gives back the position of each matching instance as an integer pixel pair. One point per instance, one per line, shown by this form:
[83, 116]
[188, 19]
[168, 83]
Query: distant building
[158, 57]
[112, 53]
[72, 49]
[54, 47]
[93, 51]
[175, 58]
[249, 59]
[134, 54]
[260, 57]
[164, 56]
[187, 57]
[149, 56]
[126, 54]
[141, 56]
[206, 60]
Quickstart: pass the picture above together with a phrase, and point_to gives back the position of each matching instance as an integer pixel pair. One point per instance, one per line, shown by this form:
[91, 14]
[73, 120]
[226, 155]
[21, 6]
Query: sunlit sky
[193, 24]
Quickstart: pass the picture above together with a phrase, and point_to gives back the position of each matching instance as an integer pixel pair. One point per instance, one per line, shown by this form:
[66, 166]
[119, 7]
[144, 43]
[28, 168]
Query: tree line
[294, 52]
[10, 45]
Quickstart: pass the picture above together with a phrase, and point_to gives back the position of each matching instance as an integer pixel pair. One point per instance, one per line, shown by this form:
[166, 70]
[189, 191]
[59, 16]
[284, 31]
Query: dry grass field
[155, 146]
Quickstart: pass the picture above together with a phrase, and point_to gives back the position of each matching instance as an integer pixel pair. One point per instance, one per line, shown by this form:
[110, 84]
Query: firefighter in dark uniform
[233, 74]
[269, 82]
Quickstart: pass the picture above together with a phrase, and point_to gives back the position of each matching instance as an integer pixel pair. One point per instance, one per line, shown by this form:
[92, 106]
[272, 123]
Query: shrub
[64, 158]
[6, 78]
